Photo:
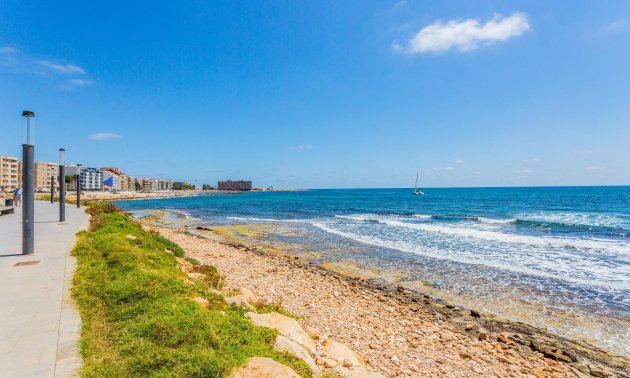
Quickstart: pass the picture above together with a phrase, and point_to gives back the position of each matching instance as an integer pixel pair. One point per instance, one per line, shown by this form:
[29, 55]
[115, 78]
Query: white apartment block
[10, 173]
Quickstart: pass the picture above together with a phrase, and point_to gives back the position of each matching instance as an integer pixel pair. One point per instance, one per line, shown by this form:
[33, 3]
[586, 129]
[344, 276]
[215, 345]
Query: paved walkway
[39, 325]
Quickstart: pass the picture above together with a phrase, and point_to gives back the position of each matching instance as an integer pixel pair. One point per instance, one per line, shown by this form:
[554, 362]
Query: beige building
[43, 172]
[10, 173]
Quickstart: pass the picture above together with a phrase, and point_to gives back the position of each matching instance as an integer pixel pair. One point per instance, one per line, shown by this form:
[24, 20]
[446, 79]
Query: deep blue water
[530, 254]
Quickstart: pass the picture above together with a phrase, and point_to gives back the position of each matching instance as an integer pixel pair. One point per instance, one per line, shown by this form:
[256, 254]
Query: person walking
[17, 197]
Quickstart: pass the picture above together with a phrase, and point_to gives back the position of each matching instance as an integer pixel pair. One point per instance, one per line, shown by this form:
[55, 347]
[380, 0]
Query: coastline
[399, 331]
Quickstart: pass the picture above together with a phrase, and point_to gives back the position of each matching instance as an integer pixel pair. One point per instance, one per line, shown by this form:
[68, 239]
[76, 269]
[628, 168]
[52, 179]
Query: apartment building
[10, 173]
[111, 181]
[91, 178]
[234, 185]
[43, 173]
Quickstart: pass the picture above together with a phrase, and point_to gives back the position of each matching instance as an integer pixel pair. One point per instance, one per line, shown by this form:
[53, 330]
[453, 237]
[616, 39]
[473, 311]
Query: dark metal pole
[62, 186]
[28, 188]
[52, 188]
[79, 186]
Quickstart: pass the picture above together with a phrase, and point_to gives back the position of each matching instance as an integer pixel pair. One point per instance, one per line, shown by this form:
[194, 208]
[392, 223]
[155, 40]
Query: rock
[483, 334]
[239, 301]
[475, 314]
[502, 338]
[203, 302]
[469, 326]
[312, 332]
[196, 276]
[341, 352]
[244, 299]
[598, 371]
[346, 363]
[284, 344]
[446, 336]
[329, 363]
[259, 367]
[414, 307]
[285, 326]
[131, 237]
[465, 356]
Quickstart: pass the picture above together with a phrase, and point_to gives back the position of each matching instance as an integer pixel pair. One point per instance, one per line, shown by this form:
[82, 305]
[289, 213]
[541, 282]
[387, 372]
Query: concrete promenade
[39, 325]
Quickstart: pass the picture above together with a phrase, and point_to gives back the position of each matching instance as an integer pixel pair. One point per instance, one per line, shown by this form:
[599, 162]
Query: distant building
[111, 181]
[234, 185]
[10, 173]
[43, 173]
[91, 178]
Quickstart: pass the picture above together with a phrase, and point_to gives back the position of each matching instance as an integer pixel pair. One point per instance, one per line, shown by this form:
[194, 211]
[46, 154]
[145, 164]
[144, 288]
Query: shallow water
[557, 258]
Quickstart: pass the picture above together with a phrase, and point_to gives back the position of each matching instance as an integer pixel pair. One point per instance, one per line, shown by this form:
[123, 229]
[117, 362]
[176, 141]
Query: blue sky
[325, 93]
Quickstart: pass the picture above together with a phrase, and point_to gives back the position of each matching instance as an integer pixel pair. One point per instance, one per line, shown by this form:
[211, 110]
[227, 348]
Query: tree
[138, 186]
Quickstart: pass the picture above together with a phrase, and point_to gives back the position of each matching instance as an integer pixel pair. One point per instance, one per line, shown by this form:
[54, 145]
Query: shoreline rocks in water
[396, 331]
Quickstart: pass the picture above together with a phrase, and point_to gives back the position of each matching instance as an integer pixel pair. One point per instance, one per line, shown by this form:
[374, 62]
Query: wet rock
[259, 367]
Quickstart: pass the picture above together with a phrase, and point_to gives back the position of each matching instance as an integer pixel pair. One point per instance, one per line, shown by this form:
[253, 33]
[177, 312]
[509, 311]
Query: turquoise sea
[553, 257]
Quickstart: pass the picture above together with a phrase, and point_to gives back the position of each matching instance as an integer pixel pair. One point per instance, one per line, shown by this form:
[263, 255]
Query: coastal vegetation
[139, 316]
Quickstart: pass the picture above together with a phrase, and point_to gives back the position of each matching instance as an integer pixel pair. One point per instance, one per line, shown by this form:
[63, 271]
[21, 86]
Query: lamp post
[79, 185]
[52, 185]
[28, 185]
[62, 185]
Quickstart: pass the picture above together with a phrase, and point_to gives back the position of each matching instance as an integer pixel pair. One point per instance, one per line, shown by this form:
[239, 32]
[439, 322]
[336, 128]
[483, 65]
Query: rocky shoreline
[399, 332]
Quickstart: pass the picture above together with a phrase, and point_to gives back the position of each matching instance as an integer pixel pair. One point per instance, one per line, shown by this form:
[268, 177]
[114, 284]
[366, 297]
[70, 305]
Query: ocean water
[553, 257]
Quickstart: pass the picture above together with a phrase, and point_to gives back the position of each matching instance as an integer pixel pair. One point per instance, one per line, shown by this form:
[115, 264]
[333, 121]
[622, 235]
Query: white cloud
[8, 50]
[301, 147]
[459, 161]
[617, 25]
[81, 82]
[62, 68]
[104, 136]
[466, 35]
[444, 169]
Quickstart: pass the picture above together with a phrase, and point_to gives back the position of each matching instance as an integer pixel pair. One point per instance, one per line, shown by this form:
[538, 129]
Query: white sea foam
[597, 244]
[577, 219]
[495, 220]
[557, 264]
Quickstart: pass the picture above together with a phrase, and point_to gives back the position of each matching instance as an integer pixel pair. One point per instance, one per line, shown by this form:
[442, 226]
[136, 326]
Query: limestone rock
[196, 276]
[341, 352]
[285, 326]
[259, 367]
[203, 302]
[284, 344]
[244, 299]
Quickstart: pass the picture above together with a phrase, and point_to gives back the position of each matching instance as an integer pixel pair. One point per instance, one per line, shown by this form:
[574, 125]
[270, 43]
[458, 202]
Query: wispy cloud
[13, 59]
[62, 68]
[459, 161]
[617, 25]
[534, 160]
[301, 147]
[104, 136]
[81, 82]
[464, 35]
[443, 169]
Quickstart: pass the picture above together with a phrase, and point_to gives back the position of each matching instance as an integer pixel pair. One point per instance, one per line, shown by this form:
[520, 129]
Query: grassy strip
[138, 316]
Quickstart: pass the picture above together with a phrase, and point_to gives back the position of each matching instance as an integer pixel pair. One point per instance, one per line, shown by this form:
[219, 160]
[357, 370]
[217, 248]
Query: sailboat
[415, 187]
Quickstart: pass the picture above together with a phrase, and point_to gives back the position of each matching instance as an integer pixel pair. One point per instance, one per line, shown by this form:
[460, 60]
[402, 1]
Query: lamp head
[28, 114]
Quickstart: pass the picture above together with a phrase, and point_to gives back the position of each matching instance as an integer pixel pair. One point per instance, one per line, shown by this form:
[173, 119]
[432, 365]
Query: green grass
[138, 316]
